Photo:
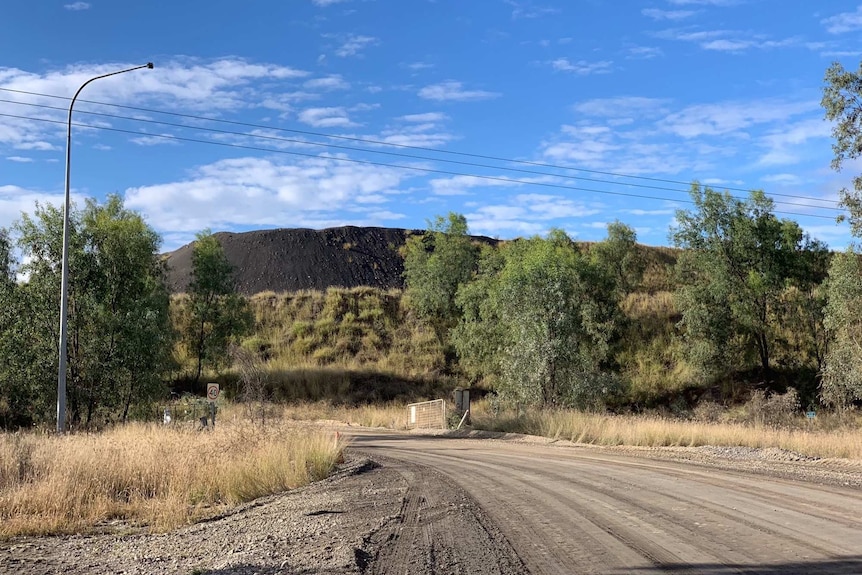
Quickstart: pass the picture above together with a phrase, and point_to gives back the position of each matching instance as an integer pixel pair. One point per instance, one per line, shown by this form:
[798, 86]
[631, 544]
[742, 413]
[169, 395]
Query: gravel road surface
[707, 511]
[408, 504]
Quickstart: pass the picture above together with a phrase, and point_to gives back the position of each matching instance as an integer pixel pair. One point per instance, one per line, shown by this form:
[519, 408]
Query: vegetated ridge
[292, 259]
[287, 259]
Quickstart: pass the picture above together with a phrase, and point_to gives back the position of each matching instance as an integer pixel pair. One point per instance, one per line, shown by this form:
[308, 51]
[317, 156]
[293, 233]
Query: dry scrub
[151, 475]
[603, 429]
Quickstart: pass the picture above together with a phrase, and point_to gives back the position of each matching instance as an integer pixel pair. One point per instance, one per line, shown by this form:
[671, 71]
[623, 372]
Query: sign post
[212, 396]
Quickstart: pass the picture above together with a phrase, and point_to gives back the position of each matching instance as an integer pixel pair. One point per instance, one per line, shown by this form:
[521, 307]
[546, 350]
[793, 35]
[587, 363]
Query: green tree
[539, 316]
[131, 303]
[119, 333]
[738, 261]
[841, 382]
[435, 265]
[617, 255]
[218, 316]
[842, 102]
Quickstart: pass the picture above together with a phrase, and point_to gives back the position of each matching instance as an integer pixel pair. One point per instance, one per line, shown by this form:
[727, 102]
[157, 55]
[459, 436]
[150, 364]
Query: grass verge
[151, 475]
[647, 431]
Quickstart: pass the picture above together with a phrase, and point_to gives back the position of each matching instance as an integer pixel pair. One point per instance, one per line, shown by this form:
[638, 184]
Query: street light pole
[64, 281]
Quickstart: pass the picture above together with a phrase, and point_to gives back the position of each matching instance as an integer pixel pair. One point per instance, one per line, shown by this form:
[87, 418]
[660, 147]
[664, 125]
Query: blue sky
[620, 97]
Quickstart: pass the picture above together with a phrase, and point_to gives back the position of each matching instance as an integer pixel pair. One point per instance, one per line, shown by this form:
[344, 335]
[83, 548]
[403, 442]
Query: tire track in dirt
[439, 529]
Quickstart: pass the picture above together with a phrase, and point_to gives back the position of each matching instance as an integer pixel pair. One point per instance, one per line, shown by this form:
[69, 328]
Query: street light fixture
[64, 281]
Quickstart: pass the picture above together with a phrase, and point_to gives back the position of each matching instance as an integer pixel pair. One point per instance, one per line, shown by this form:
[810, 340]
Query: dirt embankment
[367, 519]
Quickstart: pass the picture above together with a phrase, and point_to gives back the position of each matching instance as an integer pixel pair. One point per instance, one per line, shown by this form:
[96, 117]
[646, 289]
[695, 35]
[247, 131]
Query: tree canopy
[738, 259]
[120, 338]
[217, 315]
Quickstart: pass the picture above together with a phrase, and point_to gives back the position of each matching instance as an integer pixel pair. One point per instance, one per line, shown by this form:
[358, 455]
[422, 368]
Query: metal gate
[427, 415]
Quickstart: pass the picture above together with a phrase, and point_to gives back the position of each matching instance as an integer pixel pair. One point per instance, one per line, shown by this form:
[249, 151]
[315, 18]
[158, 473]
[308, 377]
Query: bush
[776, 410]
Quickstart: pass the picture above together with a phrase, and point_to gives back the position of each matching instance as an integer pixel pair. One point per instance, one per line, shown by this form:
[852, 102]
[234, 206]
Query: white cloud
[725, 40]
[15, 200]
[416, 66]
[331, 82]
[154, 140]
[527, 214]
[622, 106]
[731, 117]
[705, 2]
[450, 90]
[263, 192]
[19, 159]
[656, 212]
[658, 14]
[527, 9]
[333, 117]
[784, 144]
[325, 3]
[644, 52]
[461, 185]
[725, 45]
[187, 84]
[353, 44]
[790, 179]
[76, 6]
[581, 67]
[426, 117]
[844, 22]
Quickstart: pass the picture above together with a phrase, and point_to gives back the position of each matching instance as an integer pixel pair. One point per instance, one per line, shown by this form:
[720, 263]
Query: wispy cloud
[154, 140]
[528, 9]
[332, 82]
[77, 6]
[725, 40]
[725, 45]
[528, 214]
[332, 117]
[426, 117]
[354, 44]
[622, 106]
[581, 67]
[450, 90]
[190, 84]
[705, 2]
[325, 3]
[731, 117]
[658, 14]
[19, 159]
[643, 52]
[844, 22]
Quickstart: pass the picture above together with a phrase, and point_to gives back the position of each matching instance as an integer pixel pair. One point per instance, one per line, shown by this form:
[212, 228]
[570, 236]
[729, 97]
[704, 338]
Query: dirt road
[580, 510]
[415, 505]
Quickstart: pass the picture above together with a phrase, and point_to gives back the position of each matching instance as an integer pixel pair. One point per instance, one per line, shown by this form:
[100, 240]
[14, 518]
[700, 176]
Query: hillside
[291, 259]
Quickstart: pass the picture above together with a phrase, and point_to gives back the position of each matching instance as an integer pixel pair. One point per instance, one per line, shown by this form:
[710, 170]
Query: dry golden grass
[602, 429]
[390, 415]
[152, 475]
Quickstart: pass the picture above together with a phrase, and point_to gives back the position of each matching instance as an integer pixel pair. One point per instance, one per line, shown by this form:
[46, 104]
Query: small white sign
[212, 392]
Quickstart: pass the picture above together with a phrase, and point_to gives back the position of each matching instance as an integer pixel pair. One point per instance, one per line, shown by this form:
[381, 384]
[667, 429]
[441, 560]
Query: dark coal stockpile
[296, 259]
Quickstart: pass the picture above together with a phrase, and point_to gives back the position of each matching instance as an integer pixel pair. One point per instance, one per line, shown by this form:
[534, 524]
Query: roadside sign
[212, 392]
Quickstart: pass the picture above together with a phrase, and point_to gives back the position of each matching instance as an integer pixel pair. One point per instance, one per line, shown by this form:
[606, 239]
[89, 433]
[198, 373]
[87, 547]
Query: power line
[406, 146]
[383, 164]
[384, 152]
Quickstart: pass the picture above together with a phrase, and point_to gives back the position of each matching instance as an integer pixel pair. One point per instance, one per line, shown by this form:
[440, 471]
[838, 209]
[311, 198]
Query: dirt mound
[297, 259]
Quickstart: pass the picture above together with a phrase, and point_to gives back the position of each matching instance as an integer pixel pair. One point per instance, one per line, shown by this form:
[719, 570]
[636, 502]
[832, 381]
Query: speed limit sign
[212, 392]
